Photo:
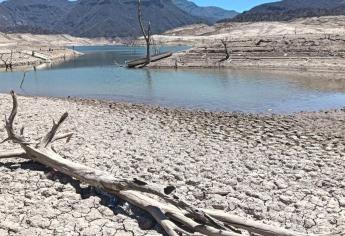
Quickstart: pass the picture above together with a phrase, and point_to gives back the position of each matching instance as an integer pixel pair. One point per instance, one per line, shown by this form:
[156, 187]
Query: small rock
[281, 184]
[342, 202]
[333, 221]
[38, 221]
[309, 223]
[286, 199]
[10, 226]
[193, 182]
[219, 206]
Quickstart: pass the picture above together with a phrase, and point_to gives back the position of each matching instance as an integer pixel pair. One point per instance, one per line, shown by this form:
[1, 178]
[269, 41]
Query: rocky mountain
[90, 18]
[291, 9]
[109, 18]
[34, 14]
[211, 14]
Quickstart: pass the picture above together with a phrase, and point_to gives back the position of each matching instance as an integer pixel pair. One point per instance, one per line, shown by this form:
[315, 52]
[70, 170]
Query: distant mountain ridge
[90, 18]
[109, 18]
[33, 14]
[291, 9]
[211, 14]
[99, 18]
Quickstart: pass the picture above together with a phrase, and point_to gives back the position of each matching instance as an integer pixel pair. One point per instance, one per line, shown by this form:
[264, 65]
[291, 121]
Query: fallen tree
[176, 216]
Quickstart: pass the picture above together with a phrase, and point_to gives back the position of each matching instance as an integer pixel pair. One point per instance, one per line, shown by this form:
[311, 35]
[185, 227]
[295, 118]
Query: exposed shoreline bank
[308, 44]
[280, 169]
[32, 51]
[32, 58]
[311, 53]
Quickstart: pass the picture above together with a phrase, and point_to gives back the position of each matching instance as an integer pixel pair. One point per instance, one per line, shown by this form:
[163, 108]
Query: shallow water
[97, 75]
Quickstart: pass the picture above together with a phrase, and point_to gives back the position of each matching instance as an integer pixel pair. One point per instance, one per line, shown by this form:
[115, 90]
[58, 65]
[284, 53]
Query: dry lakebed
[285, 170]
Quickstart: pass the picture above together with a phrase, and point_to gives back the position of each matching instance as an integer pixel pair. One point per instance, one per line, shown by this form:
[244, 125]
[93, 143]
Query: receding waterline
[97, 75]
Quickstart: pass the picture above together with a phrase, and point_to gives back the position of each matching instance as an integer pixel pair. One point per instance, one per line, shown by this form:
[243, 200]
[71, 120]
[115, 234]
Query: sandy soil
[314, 44]
[285, 170]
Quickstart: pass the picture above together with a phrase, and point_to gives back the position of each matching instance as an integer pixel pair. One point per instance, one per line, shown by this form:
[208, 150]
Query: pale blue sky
[238, 5]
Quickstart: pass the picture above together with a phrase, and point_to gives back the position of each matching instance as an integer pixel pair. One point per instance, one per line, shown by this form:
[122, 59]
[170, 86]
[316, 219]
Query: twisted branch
[12, 136]
[51, 134]
[13, 154]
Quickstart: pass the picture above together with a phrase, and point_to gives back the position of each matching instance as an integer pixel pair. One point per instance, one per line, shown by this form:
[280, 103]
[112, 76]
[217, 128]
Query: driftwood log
[176, 216]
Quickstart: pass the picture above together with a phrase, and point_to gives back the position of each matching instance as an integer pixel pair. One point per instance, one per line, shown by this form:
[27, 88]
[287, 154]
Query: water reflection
[95, 75]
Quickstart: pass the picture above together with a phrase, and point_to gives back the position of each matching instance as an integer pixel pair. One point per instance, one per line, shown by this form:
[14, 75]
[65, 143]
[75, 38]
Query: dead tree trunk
[146, 34]
[176, 216]
[227, 55]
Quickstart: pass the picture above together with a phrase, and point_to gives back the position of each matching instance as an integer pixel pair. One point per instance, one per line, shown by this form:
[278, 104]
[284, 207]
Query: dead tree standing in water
[227, 55]
[146, 34]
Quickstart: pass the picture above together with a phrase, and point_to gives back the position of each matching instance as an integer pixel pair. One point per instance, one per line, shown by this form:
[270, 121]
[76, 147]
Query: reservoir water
[97, 74]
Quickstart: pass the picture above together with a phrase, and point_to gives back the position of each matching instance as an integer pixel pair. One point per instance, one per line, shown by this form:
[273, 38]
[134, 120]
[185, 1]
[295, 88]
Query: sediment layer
[313, 44]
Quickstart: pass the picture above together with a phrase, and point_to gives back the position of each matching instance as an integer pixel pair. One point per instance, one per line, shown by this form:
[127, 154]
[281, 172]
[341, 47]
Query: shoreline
[27, 59]
[152, 107]
[311, 65]
[214, 57]
[280, 169]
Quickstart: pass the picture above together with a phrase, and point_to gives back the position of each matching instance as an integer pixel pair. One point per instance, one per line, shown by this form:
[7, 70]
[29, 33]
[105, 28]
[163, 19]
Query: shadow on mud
[118, 206]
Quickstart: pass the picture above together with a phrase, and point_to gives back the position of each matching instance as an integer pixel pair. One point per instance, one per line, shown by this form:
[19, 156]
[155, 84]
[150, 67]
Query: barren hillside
[202, 34]
[316, 44]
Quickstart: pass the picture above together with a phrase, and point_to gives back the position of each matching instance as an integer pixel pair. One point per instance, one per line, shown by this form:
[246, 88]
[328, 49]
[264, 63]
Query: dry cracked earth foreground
[285, 170]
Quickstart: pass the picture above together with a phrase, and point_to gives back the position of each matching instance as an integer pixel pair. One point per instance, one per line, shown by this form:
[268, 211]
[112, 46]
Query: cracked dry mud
[285, 170]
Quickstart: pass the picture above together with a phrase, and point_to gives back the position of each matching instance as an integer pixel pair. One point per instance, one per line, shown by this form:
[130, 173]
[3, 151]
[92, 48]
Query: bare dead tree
[175, 215]
[146, 34]
[155, 46]
[8, 61]
[227, 55]
[11, 61]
